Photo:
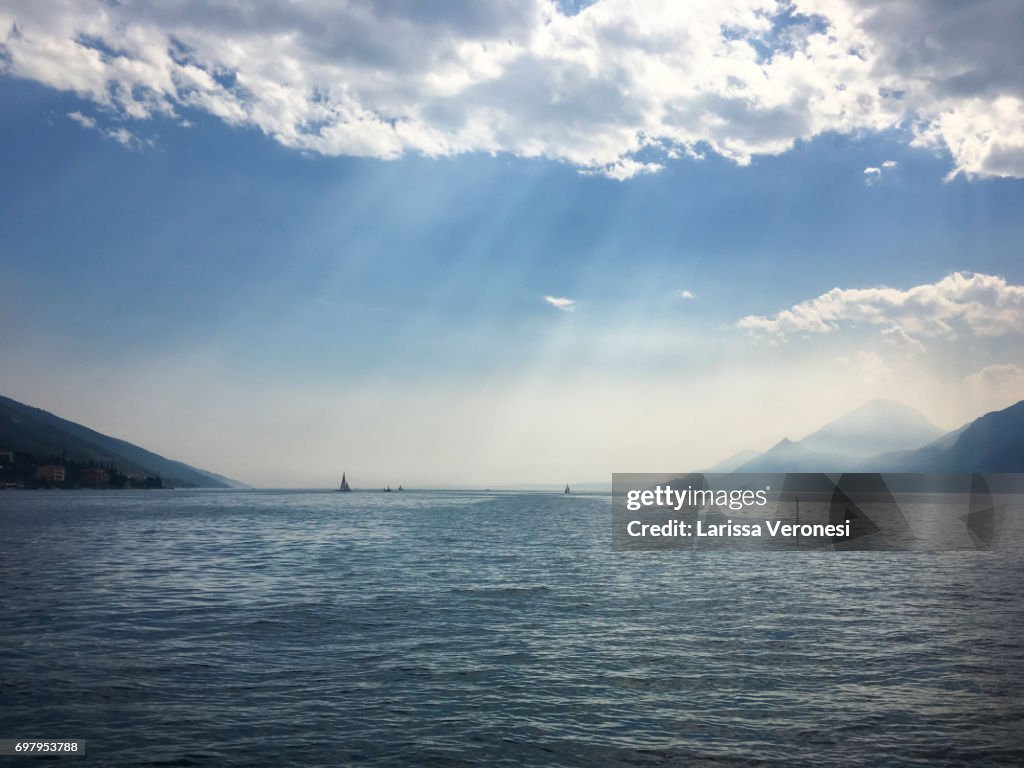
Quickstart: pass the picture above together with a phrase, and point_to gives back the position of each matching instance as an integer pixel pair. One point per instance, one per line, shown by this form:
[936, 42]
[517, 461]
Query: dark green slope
[33, 430]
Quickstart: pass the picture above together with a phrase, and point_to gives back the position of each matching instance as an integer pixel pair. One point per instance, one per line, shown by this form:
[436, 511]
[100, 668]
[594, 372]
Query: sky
[506, 243]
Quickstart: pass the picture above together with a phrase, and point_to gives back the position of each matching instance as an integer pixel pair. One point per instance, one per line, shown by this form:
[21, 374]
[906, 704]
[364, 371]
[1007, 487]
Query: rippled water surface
[433, 628]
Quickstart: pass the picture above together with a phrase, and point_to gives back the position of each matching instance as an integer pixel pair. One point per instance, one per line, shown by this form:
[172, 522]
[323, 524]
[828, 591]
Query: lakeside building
[51, 473]
[94, 477]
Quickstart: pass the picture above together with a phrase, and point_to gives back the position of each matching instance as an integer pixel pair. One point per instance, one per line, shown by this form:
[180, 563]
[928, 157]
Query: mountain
[789, 456]
[867, 440]
[731, 463]
[32, 430]
[224, 481]
[877, 427]
[991, 443]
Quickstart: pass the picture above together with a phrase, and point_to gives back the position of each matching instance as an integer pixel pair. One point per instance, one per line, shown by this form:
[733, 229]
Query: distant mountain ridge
[26, 429]
[991, 443]
[886, 436]
[878, 426]
[732, 463]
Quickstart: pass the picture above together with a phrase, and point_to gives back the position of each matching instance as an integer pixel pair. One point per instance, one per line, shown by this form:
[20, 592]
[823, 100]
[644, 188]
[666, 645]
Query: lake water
[264, 628]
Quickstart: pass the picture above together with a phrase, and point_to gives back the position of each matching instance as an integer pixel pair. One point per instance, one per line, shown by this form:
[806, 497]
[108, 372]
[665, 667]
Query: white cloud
[121, 135]
[623, 169]
[995, 386]
[83, 120]
[618, 88]
[872, 174]
[566, 305]
[899, 338]
[973, 304]
[684, 294]
[999, 375]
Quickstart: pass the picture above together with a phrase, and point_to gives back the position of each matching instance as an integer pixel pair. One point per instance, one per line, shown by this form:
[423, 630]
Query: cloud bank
[619, 88]
[999, 375]
[958, 305]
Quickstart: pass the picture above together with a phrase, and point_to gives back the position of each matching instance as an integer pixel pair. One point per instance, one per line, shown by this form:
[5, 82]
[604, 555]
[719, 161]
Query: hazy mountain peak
[881, 408]
[875, 427]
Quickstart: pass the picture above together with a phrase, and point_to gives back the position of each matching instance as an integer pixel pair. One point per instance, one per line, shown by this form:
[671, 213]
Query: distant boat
[344, 484]
[388, 489]
[567, 489]
[400, 488]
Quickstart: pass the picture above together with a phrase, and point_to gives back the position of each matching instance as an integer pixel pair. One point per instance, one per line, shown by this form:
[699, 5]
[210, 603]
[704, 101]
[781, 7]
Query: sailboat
[567, 489]
[388, 489]
[344, 483]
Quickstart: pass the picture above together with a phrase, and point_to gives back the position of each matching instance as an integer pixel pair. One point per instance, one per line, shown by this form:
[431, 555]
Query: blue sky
[211, 290]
